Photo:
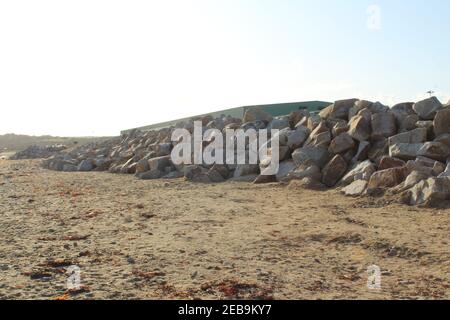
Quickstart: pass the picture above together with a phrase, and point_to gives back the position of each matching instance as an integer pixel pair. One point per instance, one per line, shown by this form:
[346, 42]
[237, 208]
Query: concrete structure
[275, 110]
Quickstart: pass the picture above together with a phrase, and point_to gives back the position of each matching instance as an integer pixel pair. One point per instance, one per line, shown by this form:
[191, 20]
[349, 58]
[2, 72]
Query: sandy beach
[173, 239]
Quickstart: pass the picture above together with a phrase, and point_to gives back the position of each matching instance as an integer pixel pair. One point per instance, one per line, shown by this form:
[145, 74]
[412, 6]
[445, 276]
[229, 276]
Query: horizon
[94, 68]
[118, 134]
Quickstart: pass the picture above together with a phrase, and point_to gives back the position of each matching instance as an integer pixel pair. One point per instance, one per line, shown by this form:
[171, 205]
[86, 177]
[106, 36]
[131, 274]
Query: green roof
[275, 110]
[281, 109]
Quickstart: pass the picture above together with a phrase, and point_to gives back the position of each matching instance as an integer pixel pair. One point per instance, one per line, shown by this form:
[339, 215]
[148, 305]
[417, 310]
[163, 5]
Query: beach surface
[172, 239]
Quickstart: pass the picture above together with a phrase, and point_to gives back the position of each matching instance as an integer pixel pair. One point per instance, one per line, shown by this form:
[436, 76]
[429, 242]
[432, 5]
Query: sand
[172, 239]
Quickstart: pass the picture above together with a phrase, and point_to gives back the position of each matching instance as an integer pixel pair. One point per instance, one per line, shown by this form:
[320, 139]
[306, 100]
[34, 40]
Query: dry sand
[173, 239]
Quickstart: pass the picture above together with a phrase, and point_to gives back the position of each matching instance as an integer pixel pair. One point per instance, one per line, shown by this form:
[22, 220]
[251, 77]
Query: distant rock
[254, 114]
[426, 109]
[338, 110]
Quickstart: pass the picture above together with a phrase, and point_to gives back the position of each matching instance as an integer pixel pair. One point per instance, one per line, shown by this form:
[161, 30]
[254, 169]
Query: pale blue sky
[96, 67]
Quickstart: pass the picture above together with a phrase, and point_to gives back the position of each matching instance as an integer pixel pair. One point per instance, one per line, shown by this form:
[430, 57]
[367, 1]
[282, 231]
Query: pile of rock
[38, 152]
[360, 146]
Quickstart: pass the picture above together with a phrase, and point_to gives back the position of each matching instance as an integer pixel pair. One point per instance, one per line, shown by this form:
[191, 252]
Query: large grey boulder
[390, 162]
[284, 169]
[159, 163]
[361, 171]
[215, 176]
[438, 168]
[418, 135]
[426, 161]
[359, 128]
[86, 165]
[387, 178]
[443, 138]
[246, 170]
[341, 143]
[304, 171]
[326, 112]
[355, 189]
[69, 167]
[428, 165]
[358, 106]
[313, 121]
[311, 155]
[405, 151]
[378, 107]
[411, 180]
[57, 163]
[402, 109]
[408, 123]
[339, 127]
[414, 178]
[435, 150]
[128, 167]
[304, 122]
[427, 124]
[446, 172]
[298, 115]
[196, 173]
[321, 135]
[338, 110]
[150, 175]
[284, 153]
[349, 155]
[306, 183]
[383, 125]
[362, 152]
[222, 169]
[163, 149]
[426, 109]
[405, 116]
[334, 171]
[256, 113]
[102, 163]
[431, 192]
[378, 149]
[321, 140]
[279, 123]
[282, 136]
[216, 124]
[142, 166]
[366, 114]
[441, 122]
[297, 137]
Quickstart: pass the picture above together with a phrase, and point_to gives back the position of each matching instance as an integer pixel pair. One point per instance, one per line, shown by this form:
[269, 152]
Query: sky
[94, 67]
